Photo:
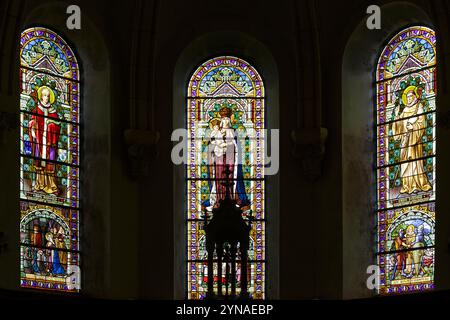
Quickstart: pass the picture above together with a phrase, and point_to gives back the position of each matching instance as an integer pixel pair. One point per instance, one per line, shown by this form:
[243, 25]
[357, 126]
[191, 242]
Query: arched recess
[236, 44]
[91, 50]
[359, 145]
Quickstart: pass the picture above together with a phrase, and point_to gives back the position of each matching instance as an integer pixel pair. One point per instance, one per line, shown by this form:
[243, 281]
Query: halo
[407, 90]
[213, 120]
[52, 94]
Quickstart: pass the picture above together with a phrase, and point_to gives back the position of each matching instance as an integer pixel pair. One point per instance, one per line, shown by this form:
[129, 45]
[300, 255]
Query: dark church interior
[235, 151]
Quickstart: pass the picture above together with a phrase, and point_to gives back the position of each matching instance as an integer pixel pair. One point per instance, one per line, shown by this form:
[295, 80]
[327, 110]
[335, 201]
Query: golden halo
[212, 121]
[52, 94]
[410, 228]
[407, 90]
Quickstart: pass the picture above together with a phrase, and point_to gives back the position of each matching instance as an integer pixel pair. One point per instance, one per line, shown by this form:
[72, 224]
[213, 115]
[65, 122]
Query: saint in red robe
[45, 130]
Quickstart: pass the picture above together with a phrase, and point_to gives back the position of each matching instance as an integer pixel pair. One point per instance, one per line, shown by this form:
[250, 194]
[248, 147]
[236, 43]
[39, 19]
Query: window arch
[225, 93]
[406, 160]
[49, 162]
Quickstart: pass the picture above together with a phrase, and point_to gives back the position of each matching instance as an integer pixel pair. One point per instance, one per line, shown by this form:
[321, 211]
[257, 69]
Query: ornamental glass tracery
[49, 162]
[225, 103]
[406, 161]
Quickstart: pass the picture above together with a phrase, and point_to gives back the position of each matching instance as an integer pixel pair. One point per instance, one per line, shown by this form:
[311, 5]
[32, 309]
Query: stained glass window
[406, 161]
[49, 162]
[225, 99]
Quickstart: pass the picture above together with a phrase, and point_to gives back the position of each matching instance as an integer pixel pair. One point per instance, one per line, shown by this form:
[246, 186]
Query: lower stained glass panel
[406, 240]
[198, 279]
[49, 240]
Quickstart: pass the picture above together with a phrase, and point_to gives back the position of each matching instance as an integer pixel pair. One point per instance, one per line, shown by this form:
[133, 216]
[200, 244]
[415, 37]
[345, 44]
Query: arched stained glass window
[225, 99]
[49, 162]
[406, 161]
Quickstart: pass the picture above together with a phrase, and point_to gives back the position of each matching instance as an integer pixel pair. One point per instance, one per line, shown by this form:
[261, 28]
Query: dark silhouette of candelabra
[226, 234]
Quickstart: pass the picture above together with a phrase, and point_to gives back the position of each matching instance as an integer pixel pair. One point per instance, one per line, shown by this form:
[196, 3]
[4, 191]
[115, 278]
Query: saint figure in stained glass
[409, 130]
[44, 131]
[224, 162]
